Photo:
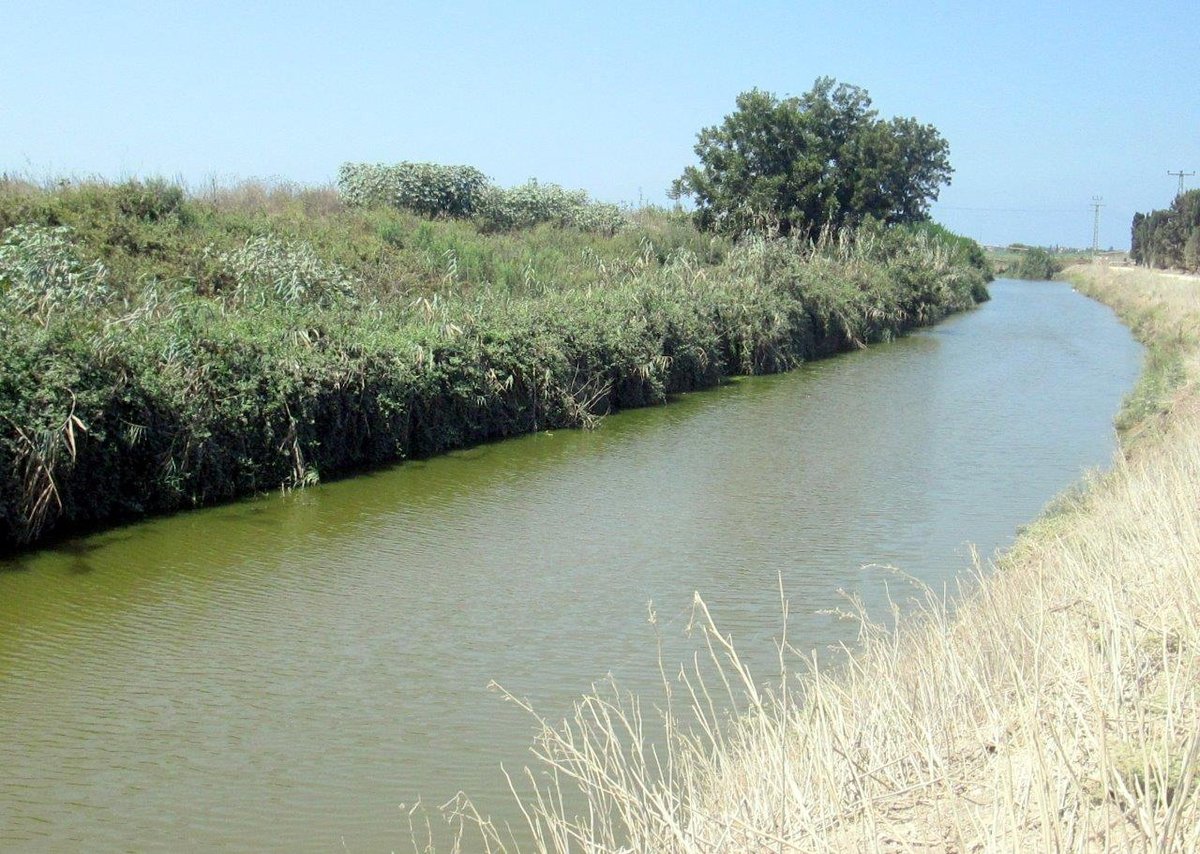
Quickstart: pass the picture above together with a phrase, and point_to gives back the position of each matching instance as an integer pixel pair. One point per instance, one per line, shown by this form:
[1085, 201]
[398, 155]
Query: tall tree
[824, 159]
[1171, 237]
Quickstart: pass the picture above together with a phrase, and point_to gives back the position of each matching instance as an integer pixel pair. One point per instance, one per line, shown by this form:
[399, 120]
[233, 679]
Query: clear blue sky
[1045, 104]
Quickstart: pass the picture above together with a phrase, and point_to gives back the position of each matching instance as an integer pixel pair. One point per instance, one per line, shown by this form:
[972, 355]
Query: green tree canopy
[1171, 237]
[800, 164]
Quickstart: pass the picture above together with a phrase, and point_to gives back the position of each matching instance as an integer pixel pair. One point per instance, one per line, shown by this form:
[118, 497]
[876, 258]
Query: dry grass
[1054, 708]
[272, 196]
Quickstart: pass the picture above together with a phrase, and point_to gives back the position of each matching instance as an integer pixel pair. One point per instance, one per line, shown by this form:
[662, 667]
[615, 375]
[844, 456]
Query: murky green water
[281, 674]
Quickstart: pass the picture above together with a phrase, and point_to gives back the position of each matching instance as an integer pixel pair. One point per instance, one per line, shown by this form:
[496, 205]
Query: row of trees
[1171, 237]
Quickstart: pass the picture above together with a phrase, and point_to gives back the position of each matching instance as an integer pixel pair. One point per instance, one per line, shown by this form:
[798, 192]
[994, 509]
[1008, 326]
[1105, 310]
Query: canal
[284, 673]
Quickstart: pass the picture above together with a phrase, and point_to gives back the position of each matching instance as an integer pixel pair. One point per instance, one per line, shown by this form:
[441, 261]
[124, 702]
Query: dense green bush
[1034, 263]
[266, 268]
[429, 189]
[534, 203]
[42, 272]
[151, 200]
[432, 190]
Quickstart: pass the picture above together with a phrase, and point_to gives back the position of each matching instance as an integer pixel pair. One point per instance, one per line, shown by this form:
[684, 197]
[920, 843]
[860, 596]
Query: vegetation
[45, 272]
[1034, 263]
[1169, 238]
[824, 160]
[166, 350]
[1054, 707]
[462, 191]
[1020, 261]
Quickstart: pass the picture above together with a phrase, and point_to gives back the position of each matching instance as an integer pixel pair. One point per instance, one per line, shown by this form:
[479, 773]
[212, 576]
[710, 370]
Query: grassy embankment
[163, 350]
[1056, 707]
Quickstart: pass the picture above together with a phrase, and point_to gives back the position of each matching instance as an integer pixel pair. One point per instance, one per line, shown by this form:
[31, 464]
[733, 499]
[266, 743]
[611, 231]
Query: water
[283, 673]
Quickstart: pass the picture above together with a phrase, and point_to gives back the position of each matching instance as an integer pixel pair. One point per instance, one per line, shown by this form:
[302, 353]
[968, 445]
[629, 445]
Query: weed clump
[461, 192]
[42, 271]
[266, 268]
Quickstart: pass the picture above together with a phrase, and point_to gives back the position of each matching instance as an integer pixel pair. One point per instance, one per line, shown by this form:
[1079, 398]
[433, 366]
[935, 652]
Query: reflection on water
[284, 672]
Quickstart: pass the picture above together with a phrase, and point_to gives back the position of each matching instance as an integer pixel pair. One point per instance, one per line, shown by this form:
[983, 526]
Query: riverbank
[1055, 707]
[166, 351]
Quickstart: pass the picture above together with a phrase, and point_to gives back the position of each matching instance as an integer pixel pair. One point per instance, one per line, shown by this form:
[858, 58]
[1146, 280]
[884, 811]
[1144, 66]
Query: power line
[1008, 210]
[1096, 200]
[1180, 175]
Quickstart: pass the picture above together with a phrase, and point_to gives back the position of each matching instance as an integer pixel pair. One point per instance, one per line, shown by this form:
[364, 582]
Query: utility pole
[1180, 174]
[1096, 200]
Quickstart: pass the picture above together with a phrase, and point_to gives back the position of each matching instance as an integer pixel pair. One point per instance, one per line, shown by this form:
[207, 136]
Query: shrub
[151, 200]
[1035, 263]
[267, 268]
[41, 271]
[433, 190]
[429, 189]
[533, 203]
